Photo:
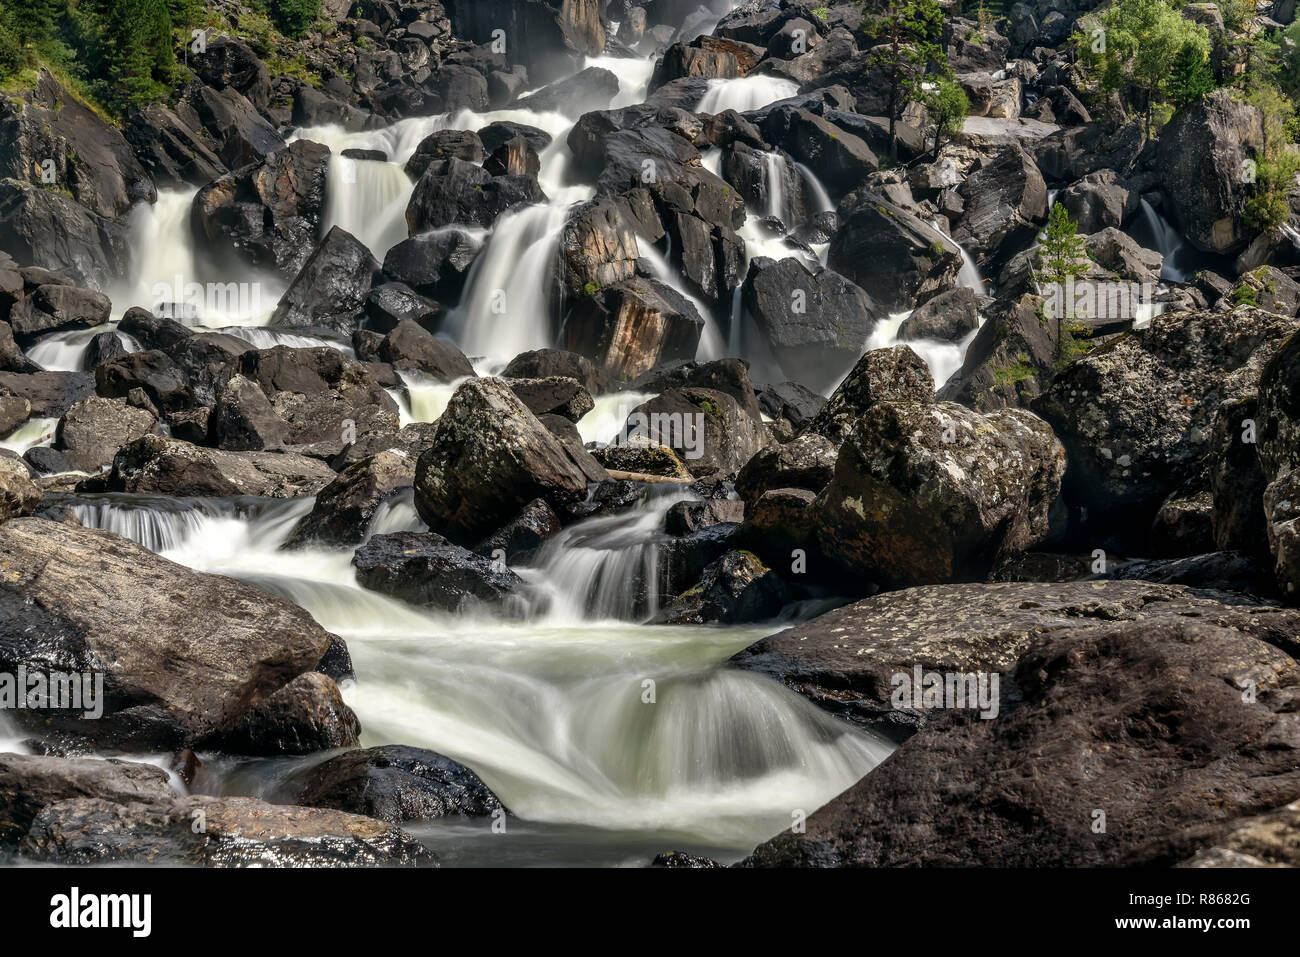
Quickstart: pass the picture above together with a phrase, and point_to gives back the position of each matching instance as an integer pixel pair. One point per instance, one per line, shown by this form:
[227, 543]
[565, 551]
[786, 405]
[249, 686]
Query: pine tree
[1062, 256]
[1190, 76]
[909, 32]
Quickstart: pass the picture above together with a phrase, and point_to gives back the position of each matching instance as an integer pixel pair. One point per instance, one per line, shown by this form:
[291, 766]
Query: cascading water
[553, 718]
[368, 198]
[745, 93]
[1156, 232]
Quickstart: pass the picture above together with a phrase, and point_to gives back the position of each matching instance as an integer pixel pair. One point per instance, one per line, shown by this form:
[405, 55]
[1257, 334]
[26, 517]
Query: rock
[1006, 201]
[441, 144]
[553, 396]
[1200, 158]
[102, 348]
[164, 466]
[1217, 571]
[1023, 790]
[266, 215]
[840, 159]
[243, 419]
[948, 317]
[807, 462]
[896, 374]
[598, 248]
[410, 348]
[31, 782]
[42, 225]
[815, 324]
[236, 832]
[1099, 200]
[453, 192]
[345, 507]
[520, 537]
[389, 303]
[724, 375]
[630, 327]
[424, 568]
[1279, 413]
[305, 716]
[434, 264]
[927, 493]
[490, 457]
[396, 784]
[1011, 357]
[498, 133]
[227, 62]
[91, 432]
[1269, 288]
[242, 136]
[14, 411]
[1137, 415]
[48, 394]
[152, 371]
[183, 655]
[18, 494]
[686, 518]
[548, 363]
[57, 308]
[331, 288]
[790, 402]
[638, 455]
[878, 239]
[682, 859]
[587, 90]
[711, 432]
[1268, 840]
[515, 158]
[736, 588]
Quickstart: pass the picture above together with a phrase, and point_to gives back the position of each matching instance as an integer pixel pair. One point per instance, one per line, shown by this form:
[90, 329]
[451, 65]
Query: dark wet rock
[807, 462]
[816, 324]
[241, 135]
[395, 783]
[152, 371]
[345, 507]
[878, 239]
[305, 716]
[392, 302]
[267, 214]
[208, 361]
[1024, 790]
[514, 158]
[590, 89]
[236, 832]
[682, 859]
[896, 374]
[497, 134]
[640, 456]
[1008, 362]
[520, 537]
[723, 375]
[1218, 571]
[30, 782]
[43, 225]
[18, 494]
[442, 144]
[1200, 161]
[424, 568]
[103, 347]
[168, 466]
[1099, 200]
[630, 327]
[435, 264]
[411, 348]
[708, 429]
[183, 655]
[489, 458]
[686, 518]
[1279, 436]
[57, 308]
[845, 660]
[91, 431]
[925, 493]
[556, 395]
[1006, 202]
[598, 248]
[790, 402]
[547, 363]
[948, 317]
[451, 192]
[331, 288]
[841, 160]
[736, 588]
[49, 394]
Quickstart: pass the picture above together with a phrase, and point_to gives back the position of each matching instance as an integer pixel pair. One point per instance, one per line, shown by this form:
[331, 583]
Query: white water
[943, 358]
[711, 345]
[29, 435]
[368, 199]
[745, 93]
[607, 417]
[1169, 242]
[552, 717]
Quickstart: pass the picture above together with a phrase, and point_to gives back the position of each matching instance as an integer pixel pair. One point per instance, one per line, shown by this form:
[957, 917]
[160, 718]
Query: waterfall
[368, 198]
[745, 93]
[814, 191]
[609, 414]
[1161, 235]
[424, 399]
[29, 435]
[554, 720]
[943, 358]
[64, 351]
[774, 178]
[711, 343]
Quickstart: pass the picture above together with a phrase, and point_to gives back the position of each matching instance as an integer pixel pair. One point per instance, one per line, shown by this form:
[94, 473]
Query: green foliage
[1245, 295]
[12, 55]
[948, 106]
[293, 17]
[1019, 372]
[1268, 206]
[908, 35]
[1062, 255]
[1190, 76]
[1132, 43]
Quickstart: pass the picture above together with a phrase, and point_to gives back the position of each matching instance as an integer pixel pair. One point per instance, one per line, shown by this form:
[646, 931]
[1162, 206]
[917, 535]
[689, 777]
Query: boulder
[411, 348]
[157, 465]
[454, 192]
[441, 144]
[1173, 762]
[183, 656]
[736, 588]
[709, 430]
[490, 457]
[91, 432]
[948, 317]
[1006, 202]
[331, 288]
[925, 493]
[153, 372]
[632, 326]
[344, 508]
[896, 374]
[434, 264]
[305, 716]
[424, 568]
[1099, 200]
[396, 784]
[841, 160]
[1009, 361]
[48, 394]
[553, 396]
[523, 535]
[57, 308]
[806, 462]
[790, 402]
[598, 248]
[548, 363]
[18, 494]
[587, 90]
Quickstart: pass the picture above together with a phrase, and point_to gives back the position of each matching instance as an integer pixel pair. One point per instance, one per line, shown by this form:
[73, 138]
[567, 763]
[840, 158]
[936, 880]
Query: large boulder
[1073, 773]
[709, 430]
[91, 432]
[158, 465]
[1203, 152]
[1099, 200]
[888, 250]
[183, 656]
[845, 660]
[896, 374]
[1006, 202]
[343, 509]
[926, 493]
[331, 288]
[1137, 414]
[454, 192]
[736, 588]
[424, 568]
[632, 326]
[267, 214]
[18, 493]
[816, 324]
[409, 347]
[56, 307]
[395, 783]
[434, 264]
[489, 458]
[235, 832]
[598, 248]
